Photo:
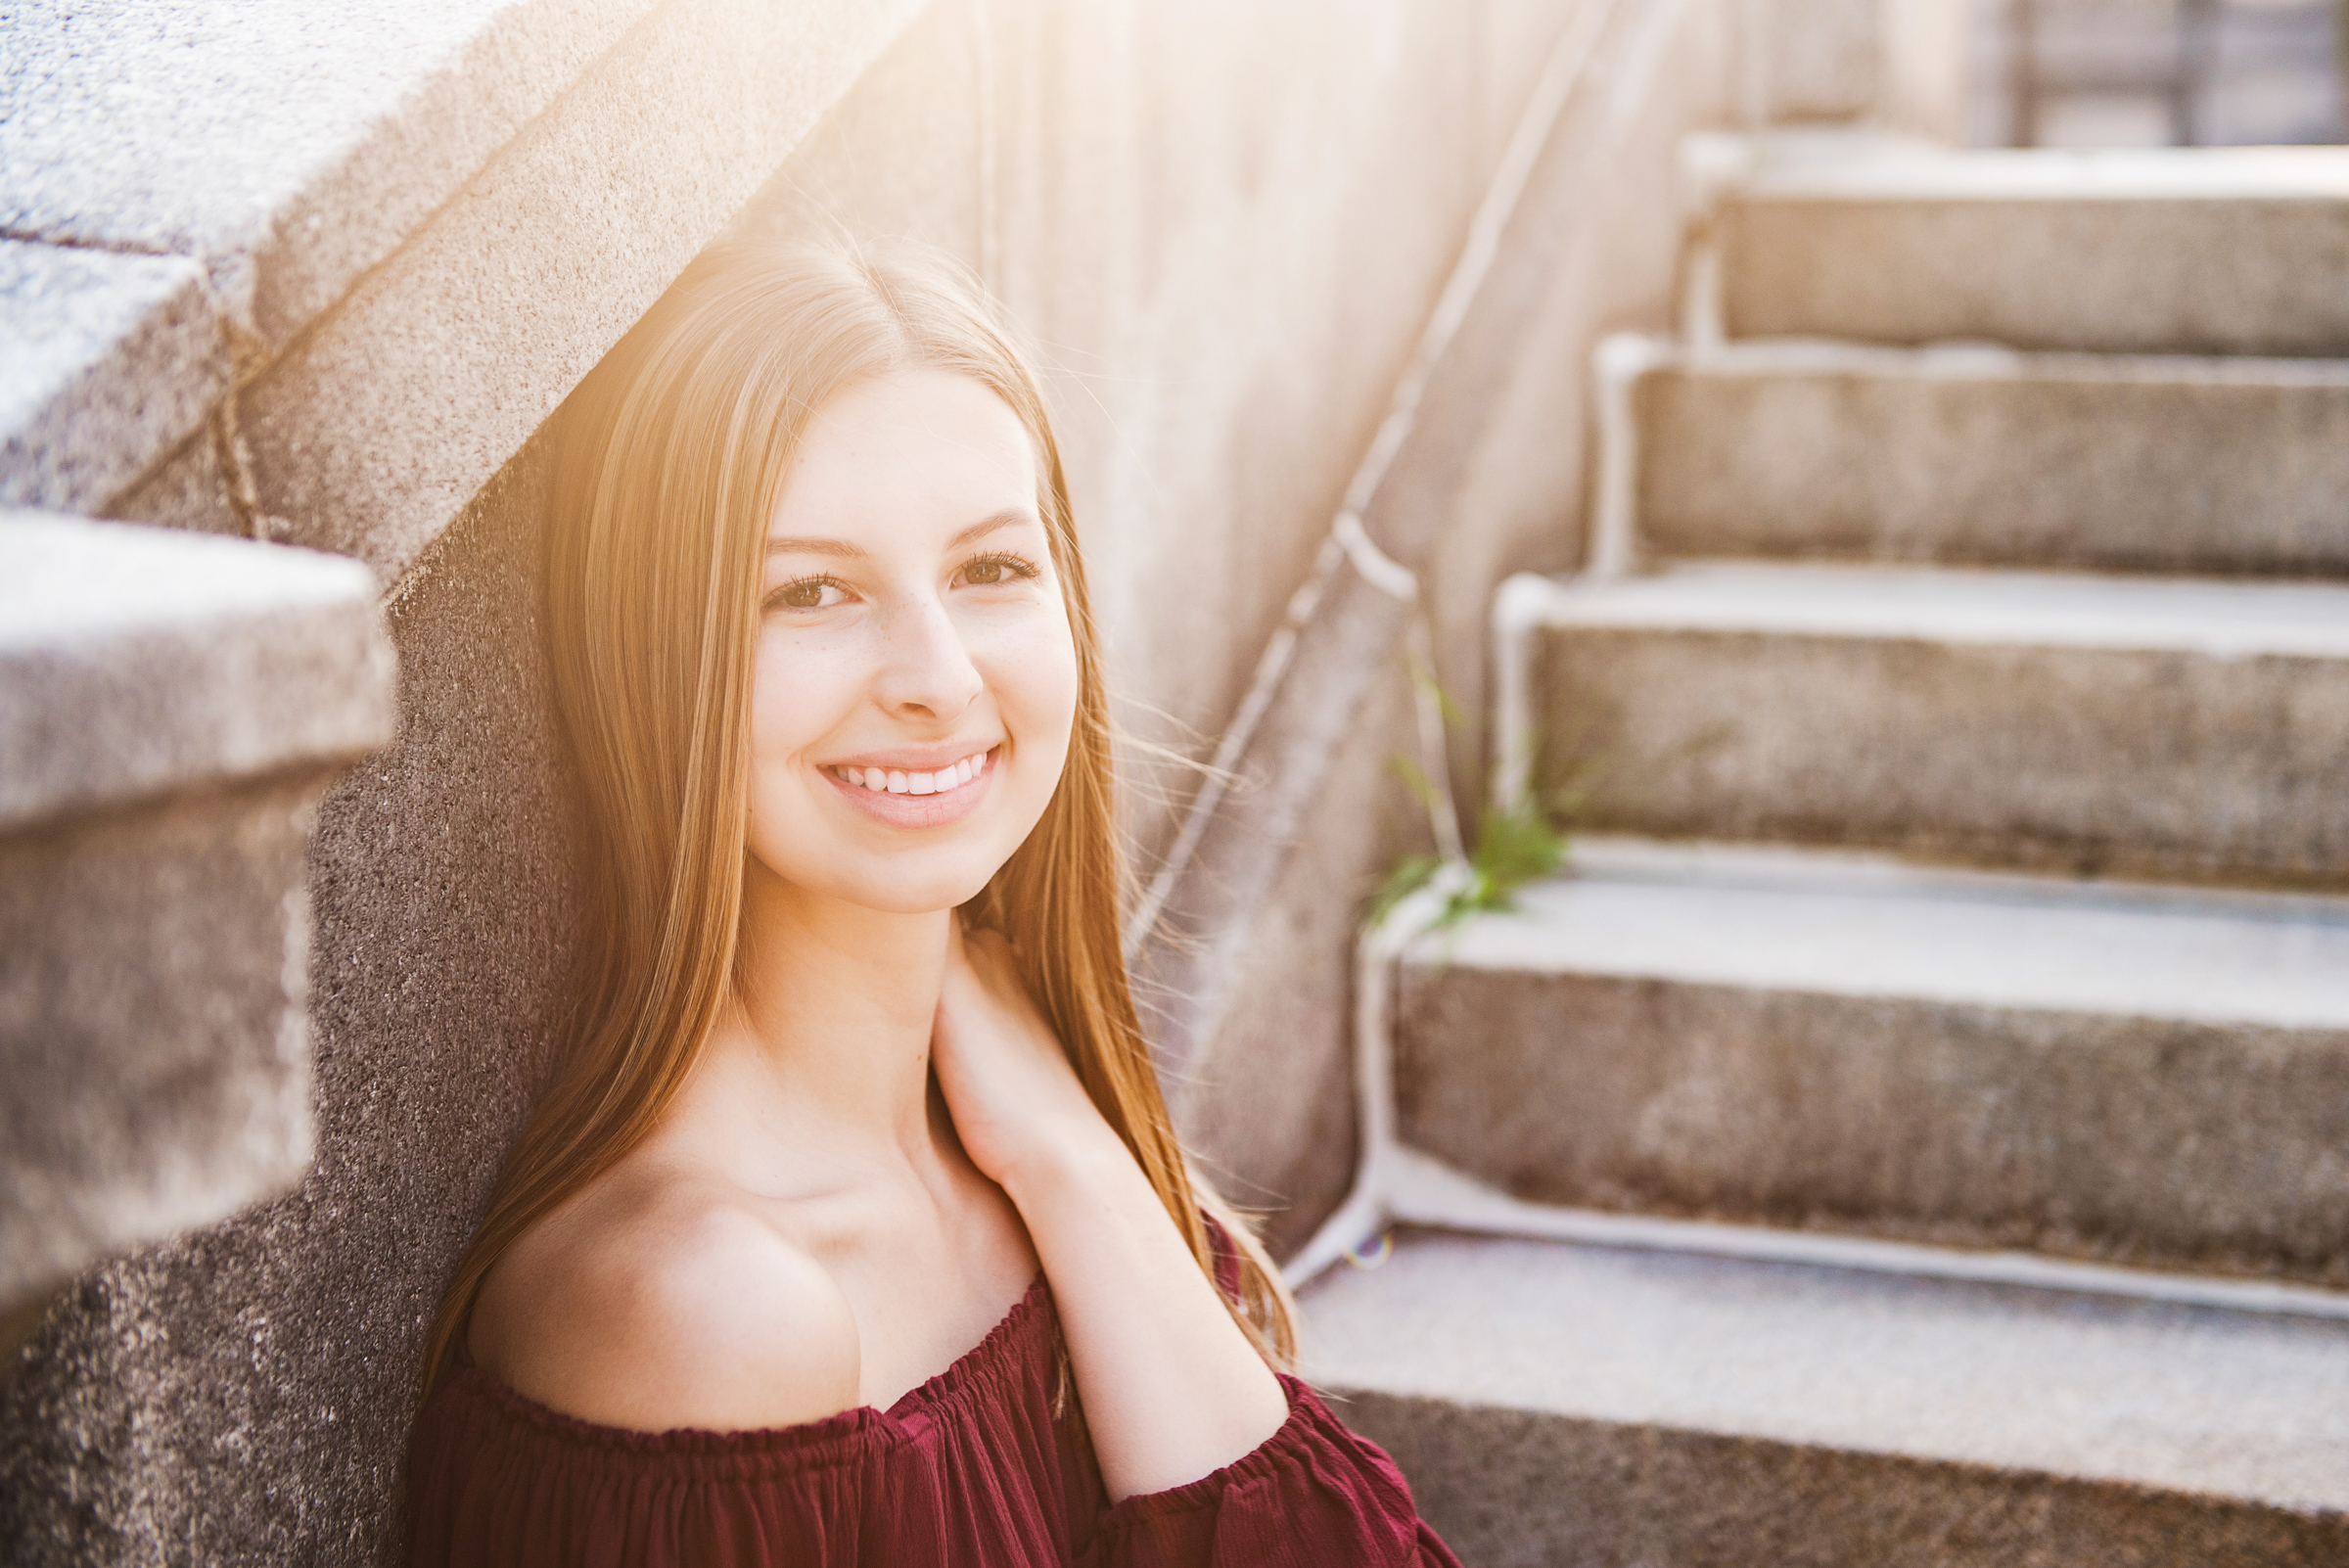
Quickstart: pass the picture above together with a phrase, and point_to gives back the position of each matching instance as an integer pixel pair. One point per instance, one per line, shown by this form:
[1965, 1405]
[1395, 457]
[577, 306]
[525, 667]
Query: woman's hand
[1171, 1388]
[1016, 1101]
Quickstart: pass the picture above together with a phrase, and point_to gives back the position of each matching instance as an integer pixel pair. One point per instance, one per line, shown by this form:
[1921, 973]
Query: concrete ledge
[1986, 455]
[438, 913]
[139, 662]
[412, 232]
[285, 145]
[2172, 727]
[377, 429]
[1552, 1403]
[1837, 1042]
[151, 1032]
[170, 707]
[2187, 252]
[105, 360]
[324, 135]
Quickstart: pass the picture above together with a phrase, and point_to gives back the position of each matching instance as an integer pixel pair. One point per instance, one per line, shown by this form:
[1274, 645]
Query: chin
[925, 901]
[908, 884]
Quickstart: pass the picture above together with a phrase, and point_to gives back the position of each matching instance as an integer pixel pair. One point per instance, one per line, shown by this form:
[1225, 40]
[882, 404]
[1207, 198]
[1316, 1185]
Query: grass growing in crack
[1512, 849]
[1514, 846]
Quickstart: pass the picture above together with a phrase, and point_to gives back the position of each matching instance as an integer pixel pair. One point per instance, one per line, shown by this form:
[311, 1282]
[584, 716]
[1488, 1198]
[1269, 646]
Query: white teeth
[953, 775]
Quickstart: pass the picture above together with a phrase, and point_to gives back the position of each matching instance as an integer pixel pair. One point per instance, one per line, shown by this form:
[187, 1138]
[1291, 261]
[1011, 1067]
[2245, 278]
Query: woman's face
[916, 678]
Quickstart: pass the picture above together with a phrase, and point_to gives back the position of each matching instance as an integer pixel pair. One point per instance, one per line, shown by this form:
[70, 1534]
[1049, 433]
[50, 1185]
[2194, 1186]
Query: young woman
[852, 1229]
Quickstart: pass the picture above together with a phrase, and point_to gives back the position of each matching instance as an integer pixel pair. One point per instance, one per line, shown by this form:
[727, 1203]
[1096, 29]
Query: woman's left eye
[993, 571]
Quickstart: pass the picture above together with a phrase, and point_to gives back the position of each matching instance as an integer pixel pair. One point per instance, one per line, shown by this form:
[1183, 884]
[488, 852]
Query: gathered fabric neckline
[977, 1467]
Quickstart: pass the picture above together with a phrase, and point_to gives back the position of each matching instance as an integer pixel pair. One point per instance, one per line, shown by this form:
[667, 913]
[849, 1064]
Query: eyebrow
[1009, 517]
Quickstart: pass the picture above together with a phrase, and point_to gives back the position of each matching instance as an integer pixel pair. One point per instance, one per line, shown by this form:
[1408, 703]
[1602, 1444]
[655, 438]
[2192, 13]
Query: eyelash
[777, 598]
[1018, 565]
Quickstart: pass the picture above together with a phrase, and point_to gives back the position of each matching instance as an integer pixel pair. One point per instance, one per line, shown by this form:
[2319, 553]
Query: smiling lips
[897, 781]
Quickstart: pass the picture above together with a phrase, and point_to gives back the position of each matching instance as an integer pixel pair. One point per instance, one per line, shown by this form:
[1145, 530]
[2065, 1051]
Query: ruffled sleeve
[1312, 1495]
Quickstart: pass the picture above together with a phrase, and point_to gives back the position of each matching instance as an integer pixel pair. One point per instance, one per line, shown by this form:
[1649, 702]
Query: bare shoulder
[654, 1304]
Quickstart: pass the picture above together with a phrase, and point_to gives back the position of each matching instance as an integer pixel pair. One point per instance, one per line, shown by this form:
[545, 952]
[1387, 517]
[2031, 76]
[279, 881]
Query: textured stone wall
[242, 1395]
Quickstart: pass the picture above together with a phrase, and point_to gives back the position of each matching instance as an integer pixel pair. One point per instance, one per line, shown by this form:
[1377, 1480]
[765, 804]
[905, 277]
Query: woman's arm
[1172, 1388]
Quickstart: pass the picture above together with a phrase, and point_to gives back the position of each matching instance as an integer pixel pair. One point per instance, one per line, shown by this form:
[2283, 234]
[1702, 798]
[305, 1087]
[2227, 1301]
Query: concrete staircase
[1941, 1046]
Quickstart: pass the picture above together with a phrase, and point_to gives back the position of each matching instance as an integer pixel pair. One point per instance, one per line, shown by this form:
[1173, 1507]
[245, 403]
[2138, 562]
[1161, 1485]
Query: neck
[836, 1005]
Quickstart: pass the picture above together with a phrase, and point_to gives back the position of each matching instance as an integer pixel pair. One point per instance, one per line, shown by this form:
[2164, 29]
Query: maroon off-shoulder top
[970, 1471]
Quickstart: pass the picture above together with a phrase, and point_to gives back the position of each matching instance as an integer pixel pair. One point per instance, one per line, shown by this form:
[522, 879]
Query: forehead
[914, 446]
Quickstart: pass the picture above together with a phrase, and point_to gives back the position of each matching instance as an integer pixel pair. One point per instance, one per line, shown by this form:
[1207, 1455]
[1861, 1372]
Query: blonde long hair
[667, 464]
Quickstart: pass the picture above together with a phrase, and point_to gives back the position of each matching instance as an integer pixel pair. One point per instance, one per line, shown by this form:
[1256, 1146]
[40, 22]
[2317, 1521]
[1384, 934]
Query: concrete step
[171, 707]
[2139, 1073]
[2180, 251]
[1555, 1404]
[2172, 728]
[1982, 454]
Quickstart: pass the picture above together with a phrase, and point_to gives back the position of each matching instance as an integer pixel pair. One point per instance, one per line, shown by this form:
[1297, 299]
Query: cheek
[1032, 670]
[801, 688]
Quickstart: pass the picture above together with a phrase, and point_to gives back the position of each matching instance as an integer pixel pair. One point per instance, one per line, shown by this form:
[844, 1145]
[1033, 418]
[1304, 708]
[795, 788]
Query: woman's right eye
[807, 593]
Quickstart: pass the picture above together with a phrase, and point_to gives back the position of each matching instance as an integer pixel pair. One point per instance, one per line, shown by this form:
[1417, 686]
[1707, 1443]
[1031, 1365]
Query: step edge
[1412, 1189]
[1977, 607]
[2026, 177]
[2307, 1024]
[1636, 857]
[1537, 938]
[1345, 1391]
[1984, 360]
[1424, 1192]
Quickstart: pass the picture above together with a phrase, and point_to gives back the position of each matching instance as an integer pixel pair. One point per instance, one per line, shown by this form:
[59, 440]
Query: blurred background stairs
[1948, 1001]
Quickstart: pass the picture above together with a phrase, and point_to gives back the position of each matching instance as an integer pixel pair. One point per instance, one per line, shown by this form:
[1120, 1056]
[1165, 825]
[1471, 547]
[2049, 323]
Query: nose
[926, 672]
